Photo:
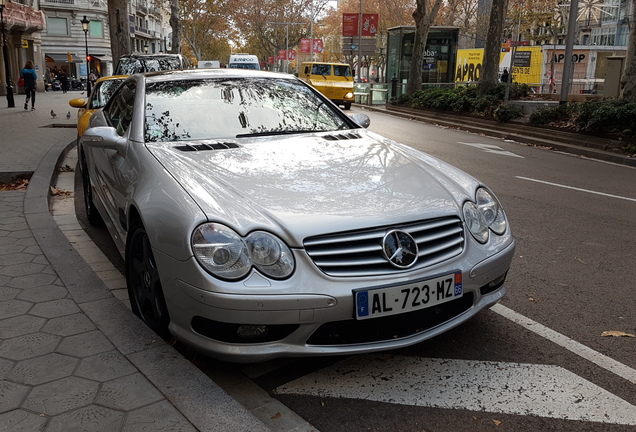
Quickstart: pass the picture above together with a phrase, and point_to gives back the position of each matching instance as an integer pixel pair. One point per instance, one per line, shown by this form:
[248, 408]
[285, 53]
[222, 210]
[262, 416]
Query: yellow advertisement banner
[527, 65]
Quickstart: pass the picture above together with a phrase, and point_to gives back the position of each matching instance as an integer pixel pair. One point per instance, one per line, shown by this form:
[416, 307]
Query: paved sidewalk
[72, 356]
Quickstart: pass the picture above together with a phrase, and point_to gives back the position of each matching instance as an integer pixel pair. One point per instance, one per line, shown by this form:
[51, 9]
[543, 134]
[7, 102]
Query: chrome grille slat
[357, 254]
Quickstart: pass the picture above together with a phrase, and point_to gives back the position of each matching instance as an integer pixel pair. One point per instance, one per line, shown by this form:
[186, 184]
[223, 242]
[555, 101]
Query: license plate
[394, 300]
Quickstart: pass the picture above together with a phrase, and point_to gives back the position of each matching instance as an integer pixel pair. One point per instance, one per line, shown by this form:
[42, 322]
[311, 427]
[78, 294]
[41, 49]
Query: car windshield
[131, 65]
[235, 107]
[344, 71]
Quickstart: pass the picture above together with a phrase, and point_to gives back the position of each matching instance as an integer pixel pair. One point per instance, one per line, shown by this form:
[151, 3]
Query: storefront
[438, 63]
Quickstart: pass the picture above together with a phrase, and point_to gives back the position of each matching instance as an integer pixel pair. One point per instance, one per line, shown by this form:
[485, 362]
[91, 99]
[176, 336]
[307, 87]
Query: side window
[120, 110]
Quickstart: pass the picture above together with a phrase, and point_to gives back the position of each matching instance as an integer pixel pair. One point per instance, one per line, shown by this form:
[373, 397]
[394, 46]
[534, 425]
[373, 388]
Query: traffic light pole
[85, 22]
[7, 69]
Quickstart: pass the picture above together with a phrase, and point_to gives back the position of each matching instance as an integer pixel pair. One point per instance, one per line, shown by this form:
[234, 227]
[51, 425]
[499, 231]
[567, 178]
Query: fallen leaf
[276, 416]
[532, 299]
[616, 333]
[497, 422]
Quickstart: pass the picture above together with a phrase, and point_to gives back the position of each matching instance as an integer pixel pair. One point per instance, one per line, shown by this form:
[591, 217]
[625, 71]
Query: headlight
[349, 95]
[485, 215]
[225, 254]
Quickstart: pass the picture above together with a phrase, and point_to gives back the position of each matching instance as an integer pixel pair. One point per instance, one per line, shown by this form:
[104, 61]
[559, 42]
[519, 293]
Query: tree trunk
[119, 28]
[492, 52]
[423, 21]
[628, 82]
[175, 23]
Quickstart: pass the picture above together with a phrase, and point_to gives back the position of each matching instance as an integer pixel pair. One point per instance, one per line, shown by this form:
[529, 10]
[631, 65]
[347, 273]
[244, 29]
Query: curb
[200, 400]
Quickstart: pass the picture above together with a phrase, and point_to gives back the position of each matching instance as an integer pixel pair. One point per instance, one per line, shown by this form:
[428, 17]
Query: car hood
[303, 185]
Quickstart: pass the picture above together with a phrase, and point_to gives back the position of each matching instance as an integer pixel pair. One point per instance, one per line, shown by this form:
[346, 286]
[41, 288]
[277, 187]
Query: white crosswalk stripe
[497, 387]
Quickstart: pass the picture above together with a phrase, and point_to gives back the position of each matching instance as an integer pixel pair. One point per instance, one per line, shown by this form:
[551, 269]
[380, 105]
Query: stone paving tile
[129, 392]
[61, 396]
[105, 366]
[5, 367]
[69, 325]
[55, 308]
[43, 369]
[7, 293]
[21, 325]
[22, 421]
[29, 346]
[42, 294]
[12, 308]
[91, 418]
[19, 258]
[32, 281]
[21, 269]
[158, 417]
[11, 396]
[85, 344]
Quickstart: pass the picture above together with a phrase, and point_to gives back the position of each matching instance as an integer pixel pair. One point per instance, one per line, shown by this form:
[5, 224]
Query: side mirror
[104, 137]
[78, 103]
[361, 119]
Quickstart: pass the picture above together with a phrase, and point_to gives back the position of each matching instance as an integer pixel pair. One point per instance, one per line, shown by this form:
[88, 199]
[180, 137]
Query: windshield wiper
[269, 133]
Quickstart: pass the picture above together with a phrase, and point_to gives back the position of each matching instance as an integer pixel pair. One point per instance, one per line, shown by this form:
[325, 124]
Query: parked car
[141, 63]
[102, 90]
[258, 220]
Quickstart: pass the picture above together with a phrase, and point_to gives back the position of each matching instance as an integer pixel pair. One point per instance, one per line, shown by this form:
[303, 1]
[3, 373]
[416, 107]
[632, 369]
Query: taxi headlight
[225, 254]
[484, 215]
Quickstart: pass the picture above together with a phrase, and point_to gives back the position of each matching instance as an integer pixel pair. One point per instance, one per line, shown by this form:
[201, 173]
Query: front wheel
[347, 105]
[144, 285]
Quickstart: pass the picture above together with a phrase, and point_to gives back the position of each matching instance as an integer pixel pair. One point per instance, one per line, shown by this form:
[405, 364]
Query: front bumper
[314, 322]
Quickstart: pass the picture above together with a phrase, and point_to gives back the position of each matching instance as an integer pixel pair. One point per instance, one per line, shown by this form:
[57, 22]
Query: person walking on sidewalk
[30, 77]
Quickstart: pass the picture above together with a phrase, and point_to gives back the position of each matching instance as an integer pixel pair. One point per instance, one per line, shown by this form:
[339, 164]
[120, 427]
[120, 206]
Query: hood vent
[342, 136]
[207, 146]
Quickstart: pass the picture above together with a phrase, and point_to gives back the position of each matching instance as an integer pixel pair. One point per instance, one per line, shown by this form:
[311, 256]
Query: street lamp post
[5, 56]
[146, 48]
[85, 23]
[286, 24]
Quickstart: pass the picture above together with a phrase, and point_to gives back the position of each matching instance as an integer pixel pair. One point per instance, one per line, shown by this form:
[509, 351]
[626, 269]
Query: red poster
[304, 46]
[270, 60]
[369, 25]
[281, 54]
[350, 24]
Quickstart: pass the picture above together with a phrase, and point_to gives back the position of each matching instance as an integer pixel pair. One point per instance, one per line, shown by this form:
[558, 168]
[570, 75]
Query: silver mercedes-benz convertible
[257, 220]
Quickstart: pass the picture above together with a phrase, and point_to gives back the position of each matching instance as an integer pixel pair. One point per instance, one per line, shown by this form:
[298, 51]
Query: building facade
[22, 23]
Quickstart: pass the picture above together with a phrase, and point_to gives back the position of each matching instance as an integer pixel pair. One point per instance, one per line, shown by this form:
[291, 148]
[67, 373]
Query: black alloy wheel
[144, 285]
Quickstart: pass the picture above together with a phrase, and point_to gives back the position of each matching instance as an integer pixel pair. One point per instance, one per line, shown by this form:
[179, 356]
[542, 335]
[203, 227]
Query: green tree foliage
[205, 28]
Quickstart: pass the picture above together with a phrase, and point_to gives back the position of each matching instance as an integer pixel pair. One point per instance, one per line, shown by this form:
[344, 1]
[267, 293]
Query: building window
[57, 26]
[96, 29]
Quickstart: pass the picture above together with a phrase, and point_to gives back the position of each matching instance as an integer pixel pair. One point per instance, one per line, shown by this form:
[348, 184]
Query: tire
[347, 105]
[92, 214]
[144, 285]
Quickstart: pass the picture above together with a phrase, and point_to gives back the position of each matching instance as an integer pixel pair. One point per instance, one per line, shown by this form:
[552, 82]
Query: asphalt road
[538, 361]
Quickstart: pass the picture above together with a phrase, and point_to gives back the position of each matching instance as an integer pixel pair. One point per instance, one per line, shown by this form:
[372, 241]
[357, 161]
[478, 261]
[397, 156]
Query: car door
[113, 173]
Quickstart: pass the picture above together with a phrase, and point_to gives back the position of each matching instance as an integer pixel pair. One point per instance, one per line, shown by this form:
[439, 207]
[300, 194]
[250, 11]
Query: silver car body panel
[295, 187]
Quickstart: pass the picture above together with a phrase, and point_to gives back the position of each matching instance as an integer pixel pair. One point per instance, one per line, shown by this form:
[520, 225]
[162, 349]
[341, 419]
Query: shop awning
[103, 58]
[63, 58]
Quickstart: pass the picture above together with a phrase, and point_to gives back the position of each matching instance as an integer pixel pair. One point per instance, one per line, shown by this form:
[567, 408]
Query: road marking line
[490, 148]
[577, 348]
[511, 388]
[576, 189]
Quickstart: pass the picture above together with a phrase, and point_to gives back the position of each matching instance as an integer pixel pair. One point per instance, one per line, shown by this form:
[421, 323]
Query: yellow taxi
[334, 80]
[101, 92]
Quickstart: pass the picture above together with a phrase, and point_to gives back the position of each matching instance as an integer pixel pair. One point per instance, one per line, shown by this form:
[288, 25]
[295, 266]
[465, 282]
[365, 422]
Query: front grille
[359, 253]
[390, 327]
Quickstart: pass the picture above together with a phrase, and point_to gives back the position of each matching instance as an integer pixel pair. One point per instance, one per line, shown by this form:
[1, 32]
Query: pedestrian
[30, 78]
[64, 81]
[505, 75]
[48, 79]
